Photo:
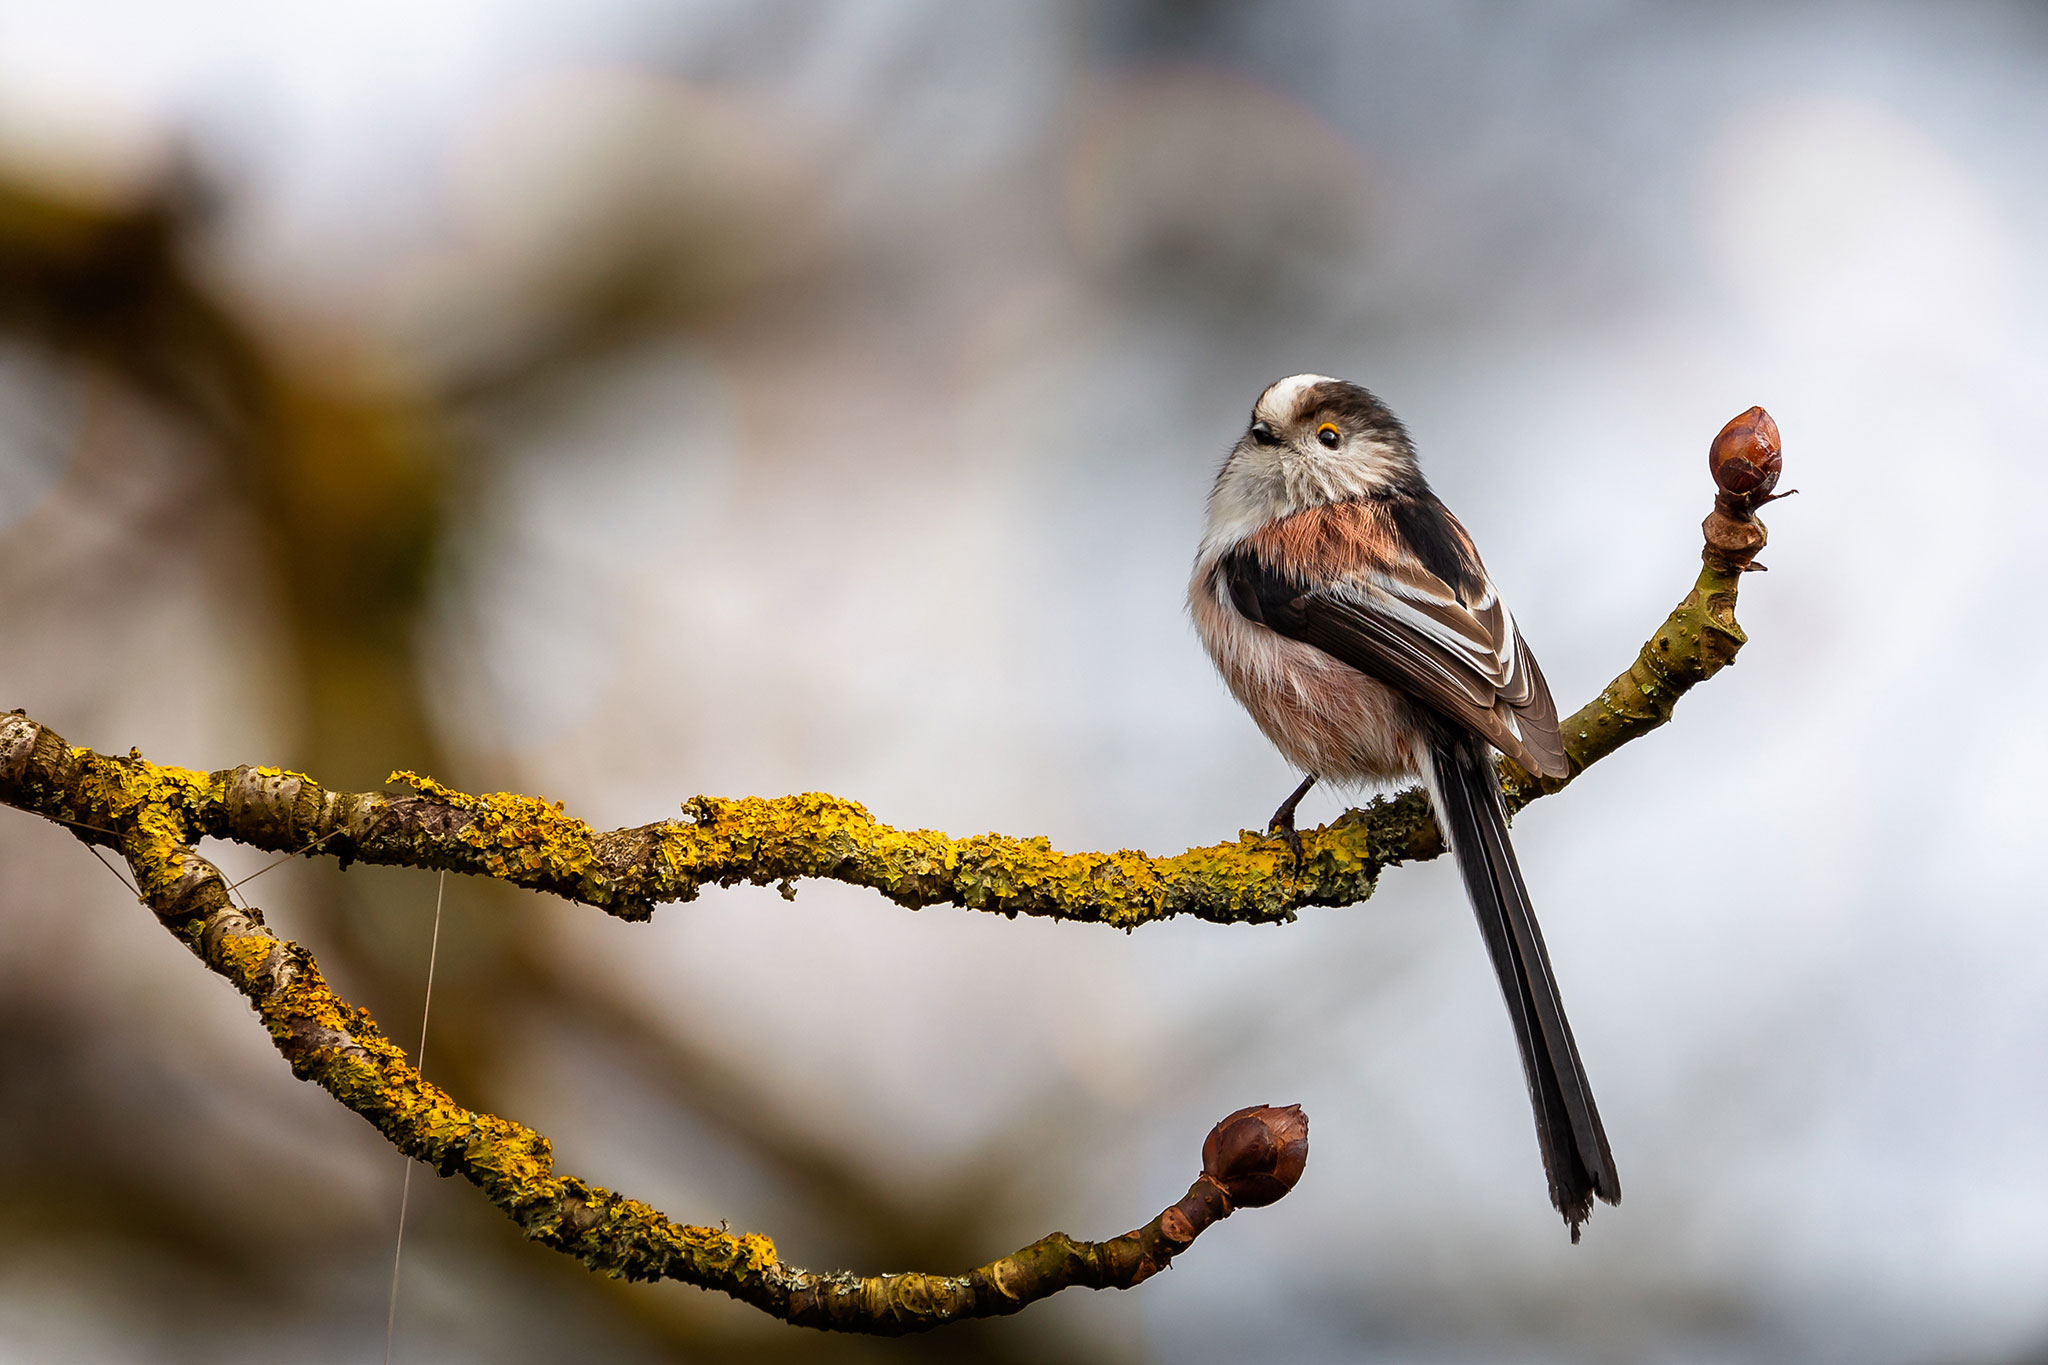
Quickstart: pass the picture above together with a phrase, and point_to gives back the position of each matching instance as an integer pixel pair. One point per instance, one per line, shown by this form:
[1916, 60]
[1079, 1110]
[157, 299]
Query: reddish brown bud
[1257, 1154]
[1745, 458]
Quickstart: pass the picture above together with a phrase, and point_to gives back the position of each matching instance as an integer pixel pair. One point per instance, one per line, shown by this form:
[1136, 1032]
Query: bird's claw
[1286, 831]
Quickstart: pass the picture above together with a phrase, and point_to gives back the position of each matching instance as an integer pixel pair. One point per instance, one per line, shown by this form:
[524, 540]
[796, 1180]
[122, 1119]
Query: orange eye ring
[1328, 434]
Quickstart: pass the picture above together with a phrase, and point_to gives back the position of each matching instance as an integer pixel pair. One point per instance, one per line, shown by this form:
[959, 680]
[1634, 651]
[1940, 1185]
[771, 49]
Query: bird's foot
[1282, 822]
[1283, 826]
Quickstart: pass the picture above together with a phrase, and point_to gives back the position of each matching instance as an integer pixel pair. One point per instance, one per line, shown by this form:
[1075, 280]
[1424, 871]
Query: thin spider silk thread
[426, 1010]
[126, 885]
[278, 861]
[419, 1065]
[283, 859]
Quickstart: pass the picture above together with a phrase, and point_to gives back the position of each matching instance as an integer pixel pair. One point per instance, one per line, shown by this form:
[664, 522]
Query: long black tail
[1575, 1154]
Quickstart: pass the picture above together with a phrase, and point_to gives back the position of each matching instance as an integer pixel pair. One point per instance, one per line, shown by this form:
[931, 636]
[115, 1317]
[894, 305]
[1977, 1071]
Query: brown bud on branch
[1257, 1154]
[1745, 459]
[1249, 1160]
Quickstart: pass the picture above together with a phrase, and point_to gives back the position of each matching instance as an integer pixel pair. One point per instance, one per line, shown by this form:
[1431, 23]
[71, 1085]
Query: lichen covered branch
[781, 840]
[155, 815]
[150, 814]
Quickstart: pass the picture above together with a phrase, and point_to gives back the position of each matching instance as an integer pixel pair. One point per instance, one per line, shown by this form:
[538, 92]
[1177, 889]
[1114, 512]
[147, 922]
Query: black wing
[1406, 627]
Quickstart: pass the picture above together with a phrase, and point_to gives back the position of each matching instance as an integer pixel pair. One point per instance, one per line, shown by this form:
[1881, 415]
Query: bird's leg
[1282, 822]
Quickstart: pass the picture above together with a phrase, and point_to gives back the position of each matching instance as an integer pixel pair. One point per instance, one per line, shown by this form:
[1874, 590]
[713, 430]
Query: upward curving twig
[154, 815]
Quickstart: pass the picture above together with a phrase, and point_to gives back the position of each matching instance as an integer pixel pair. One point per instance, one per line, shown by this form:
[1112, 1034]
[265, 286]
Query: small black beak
[1263, 434]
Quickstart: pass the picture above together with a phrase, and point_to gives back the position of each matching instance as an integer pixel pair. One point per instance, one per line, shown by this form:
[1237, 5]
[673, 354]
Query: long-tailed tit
[1348, 611]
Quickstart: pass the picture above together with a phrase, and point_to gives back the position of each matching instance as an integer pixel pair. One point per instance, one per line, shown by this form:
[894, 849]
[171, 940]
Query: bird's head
[1312, 440]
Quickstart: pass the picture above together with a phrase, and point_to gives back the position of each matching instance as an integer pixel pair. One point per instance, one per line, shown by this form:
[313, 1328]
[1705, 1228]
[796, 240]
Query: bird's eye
[1328, 434]
[1263, 434]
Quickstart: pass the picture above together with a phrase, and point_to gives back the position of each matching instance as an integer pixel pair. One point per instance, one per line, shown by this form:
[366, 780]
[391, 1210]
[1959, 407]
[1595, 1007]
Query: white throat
[1258, 486]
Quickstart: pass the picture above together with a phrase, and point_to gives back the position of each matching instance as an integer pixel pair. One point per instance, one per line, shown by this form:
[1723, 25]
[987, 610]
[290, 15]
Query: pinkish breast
[1323, 715]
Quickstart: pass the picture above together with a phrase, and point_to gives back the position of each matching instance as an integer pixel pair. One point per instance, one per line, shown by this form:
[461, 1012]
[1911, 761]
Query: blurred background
[617, 401]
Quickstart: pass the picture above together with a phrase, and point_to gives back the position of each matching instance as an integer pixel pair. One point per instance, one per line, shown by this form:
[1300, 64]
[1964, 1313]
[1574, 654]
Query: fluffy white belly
[1326, 717]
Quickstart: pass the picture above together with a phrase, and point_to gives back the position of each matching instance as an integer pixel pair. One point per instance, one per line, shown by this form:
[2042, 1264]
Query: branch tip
[1746, 459]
